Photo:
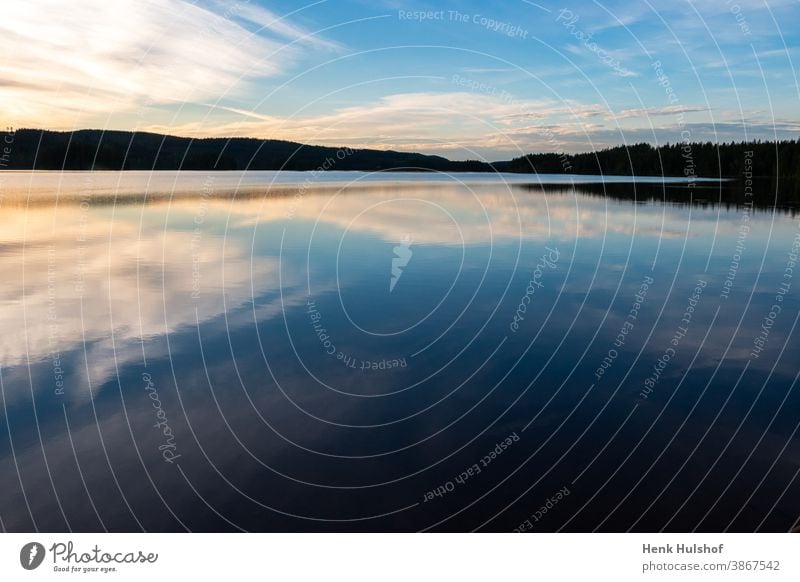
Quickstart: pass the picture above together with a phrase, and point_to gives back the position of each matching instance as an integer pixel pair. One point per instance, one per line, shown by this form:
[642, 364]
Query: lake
[264, 351]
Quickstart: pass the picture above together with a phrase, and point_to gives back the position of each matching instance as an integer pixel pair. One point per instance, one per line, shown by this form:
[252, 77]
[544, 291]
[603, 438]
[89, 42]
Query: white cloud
[471, 125]
[107, 293]
[276, 24]
[68, 61]
[424, 121]
[661, 111]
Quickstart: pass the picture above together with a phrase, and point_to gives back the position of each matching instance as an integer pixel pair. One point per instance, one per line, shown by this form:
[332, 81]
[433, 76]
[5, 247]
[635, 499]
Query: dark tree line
[122, 150]
[764, 194]
[768, 159]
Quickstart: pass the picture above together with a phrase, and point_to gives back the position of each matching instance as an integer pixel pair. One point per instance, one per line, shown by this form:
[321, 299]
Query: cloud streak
[466, 125]
[78, 60]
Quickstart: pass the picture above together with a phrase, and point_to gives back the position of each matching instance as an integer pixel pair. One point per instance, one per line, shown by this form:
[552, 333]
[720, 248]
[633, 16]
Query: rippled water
[258, 352]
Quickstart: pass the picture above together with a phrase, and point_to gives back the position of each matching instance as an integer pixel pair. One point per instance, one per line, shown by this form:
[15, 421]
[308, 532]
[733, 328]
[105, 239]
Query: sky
[462, 79]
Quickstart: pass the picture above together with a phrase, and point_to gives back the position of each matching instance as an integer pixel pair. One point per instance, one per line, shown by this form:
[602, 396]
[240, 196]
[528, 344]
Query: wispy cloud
[468, 125]
[217, 68]
[660, 111]
[66, 62]
[275, 24]
[449, 117]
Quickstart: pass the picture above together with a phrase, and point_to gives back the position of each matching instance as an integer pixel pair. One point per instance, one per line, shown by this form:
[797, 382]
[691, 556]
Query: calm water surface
[395, 352]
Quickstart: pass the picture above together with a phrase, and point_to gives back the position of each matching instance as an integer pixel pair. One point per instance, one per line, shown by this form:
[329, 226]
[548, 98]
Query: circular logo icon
[31, 555]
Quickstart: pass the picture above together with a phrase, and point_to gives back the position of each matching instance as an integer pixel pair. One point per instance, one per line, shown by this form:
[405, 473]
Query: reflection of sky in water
[231, 306]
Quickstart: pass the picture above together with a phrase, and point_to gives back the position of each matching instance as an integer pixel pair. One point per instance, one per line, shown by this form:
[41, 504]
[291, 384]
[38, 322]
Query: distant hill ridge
[124, 150]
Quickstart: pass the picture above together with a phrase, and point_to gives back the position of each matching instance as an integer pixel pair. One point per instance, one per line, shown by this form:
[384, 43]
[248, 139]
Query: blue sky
[462, 79]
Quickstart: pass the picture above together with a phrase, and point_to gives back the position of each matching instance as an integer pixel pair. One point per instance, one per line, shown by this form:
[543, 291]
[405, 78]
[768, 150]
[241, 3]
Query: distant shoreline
[97, 150]
[75, 188]
[517, 177]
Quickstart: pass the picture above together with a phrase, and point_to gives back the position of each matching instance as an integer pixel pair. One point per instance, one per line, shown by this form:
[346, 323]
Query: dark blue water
[394, 356]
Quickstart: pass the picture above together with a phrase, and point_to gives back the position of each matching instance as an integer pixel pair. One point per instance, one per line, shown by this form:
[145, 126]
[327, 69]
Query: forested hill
[28, 149]
[763, 159]
[122, 150]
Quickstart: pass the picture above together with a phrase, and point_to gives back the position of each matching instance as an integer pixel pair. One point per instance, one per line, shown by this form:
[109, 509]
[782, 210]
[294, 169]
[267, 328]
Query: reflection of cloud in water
[74, 278]
[480, 213]
[138, 275]
[137, 265]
